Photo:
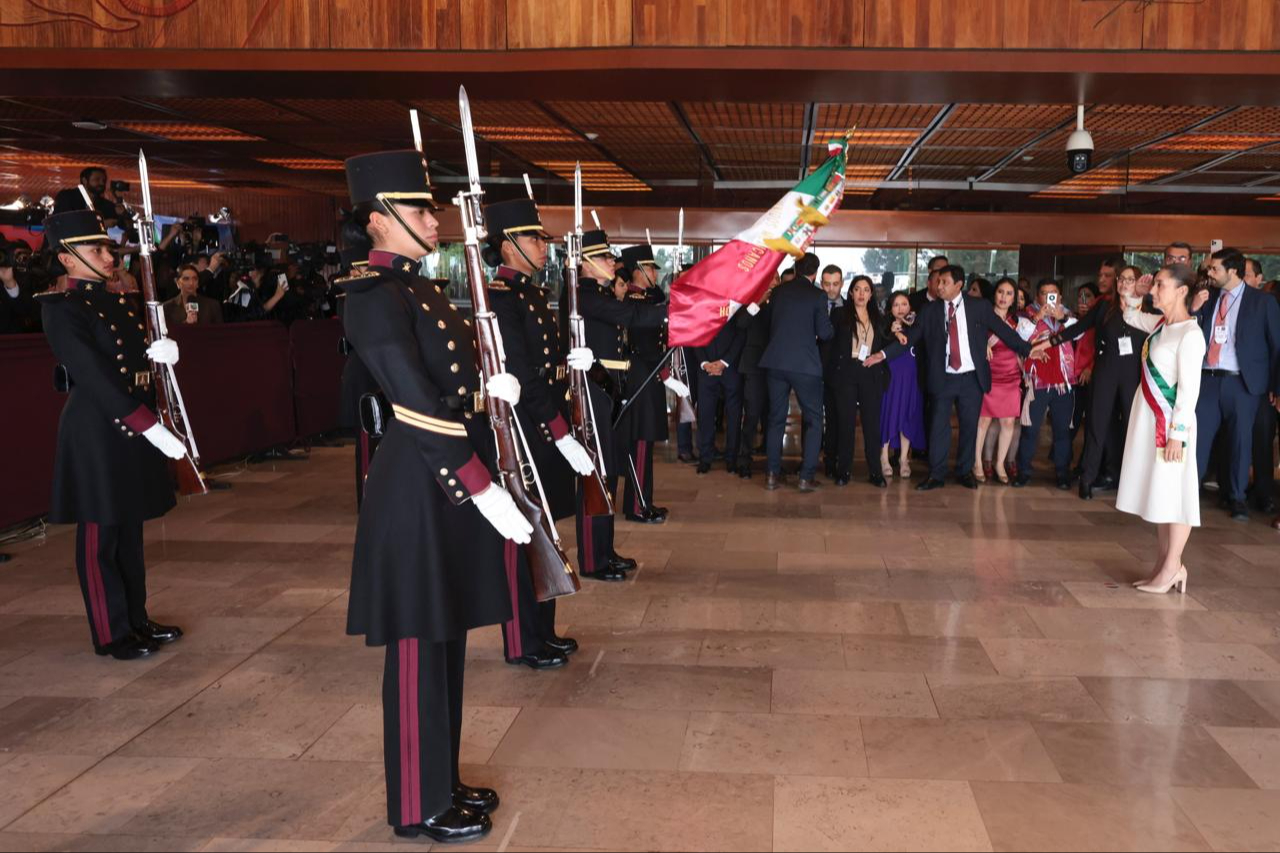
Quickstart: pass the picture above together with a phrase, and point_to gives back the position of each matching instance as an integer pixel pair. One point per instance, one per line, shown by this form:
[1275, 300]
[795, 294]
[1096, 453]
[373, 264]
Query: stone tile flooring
[852, 670]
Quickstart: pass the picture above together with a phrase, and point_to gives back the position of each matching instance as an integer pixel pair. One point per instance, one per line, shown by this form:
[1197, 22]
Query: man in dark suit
[832, 282]
[799, 321]
[94, 181]
[755, 321]
[719, 377]
[954, 329]
[1262, 492]
[1241, 370]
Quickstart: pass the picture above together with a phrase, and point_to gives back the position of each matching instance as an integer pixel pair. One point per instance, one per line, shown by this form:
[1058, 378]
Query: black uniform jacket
[427, 564]
[726, 346]
[843, 366]
[799, 320]
[1111, 328]
[647, 418]
[756, 329]
[536, 356]
[606, 324]
[105, 471]
[356, 378]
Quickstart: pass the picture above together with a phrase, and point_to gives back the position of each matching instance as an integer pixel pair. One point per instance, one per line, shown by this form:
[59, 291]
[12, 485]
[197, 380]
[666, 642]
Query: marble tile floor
[852, 670]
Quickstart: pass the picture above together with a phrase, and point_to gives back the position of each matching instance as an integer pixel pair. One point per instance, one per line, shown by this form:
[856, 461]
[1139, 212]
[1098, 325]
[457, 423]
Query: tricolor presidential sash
[1158, 393]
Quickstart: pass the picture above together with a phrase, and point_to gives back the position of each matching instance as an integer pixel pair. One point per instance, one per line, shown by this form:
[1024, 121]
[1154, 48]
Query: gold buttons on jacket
[452, 346]
[458, 493]
[119, 342]
[120, 357]
[444, 472]
[452, 482]
[453, 307]
[440, 325]
[453, 368]
[124, 370]
[546, 351]
[462, 389]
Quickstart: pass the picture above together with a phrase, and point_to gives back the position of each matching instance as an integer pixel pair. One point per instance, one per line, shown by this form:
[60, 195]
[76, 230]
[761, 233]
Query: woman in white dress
[1159, 480]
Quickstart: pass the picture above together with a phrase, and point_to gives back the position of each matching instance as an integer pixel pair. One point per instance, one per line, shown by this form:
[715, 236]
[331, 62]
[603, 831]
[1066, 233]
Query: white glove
[753, 309]
[575, 454]
[497, 507]
[503, 386]
[677, 386]
[163, 351]
[165, 441]
[581, 358]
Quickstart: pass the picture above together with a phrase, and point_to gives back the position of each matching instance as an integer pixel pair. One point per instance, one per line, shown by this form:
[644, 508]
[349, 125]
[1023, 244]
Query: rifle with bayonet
[596, 500]
[171, 408]
[553, 576]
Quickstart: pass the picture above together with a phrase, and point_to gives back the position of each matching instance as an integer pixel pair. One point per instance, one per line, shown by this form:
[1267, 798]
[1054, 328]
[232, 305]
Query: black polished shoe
[1064, 482]
[1021, 481]
[450, 826]
[624, 563]
[878, 481]
[968, 481]
[131, 647]
[660, 510]
[929, 485]
[162, 634]
[1086, 491]
[608, 573]
[842, 481]
[481, 800]
[1239, 511]
[772, 481]
[647, 517]
[564, 645]
[1264, 505]
[547, 658]
[704, 467]
[687, 458]
[807, 486]
[744, 471]
[1104, 484]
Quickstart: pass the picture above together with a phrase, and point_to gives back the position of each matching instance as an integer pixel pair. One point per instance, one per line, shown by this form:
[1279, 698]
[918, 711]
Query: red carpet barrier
[28, 427]
[317, 374]
[247, 386]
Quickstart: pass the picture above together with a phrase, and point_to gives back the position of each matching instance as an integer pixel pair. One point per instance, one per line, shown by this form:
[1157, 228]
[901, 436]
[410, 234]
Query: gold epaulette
[639, 296]
[356, 275]
[499, 285]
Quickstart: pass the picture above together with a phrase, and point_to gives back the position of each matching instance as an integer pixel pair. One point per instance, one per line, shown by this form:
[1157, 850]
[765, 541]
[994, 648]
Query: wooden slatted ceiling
[837, 118]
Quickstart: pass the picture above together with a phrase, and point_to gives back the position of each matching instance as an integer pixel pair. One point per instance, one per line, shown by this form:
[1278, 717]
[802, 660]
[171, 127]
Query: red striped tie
[954, 334]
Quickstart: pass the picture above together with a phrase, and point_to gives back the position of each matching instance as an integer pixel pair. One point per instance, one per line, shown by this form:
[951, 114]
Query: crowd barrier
[247, 386]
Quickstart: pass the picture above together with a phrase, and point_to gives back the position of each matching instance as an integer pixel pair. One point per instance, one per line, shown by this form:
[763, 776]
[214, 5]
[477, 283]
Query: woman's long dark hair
[1011, 317]
[873, 308]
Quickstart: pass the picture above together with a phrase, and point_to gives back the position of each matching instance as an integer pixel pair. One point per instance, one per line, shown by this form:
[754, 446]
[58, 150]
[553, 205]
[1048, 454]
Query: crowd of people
[1007, 358]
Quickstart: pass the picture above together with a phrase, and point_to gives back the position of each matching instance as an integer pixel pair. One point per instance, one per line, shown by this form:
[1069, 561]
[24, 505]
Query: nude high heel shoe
[1136, 584]
[1179, 581]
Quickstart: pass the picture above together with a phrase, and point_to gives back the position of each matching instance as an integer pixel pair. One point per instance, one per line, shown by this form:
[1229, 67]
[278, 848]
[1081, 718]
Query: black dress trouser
[421, 726]
[1111, 400]
[961, 391]
[755, 405]
[859, 394]
[532, 622]
[1264, 453]
[710, 391]
[113, 579]
[595, 533]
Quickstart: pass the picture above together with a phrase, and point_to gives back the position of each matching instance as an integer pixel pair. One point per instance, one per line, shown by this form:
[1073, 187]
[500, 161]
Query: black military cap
[511, 219]
[635, 256]
[74, 227]
[398, 177]
[595, 243]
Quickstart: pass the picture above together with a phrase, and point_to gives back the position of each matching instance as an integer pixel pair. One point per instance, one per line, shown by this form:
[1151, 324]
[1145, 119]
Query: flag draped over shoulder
[739, 272]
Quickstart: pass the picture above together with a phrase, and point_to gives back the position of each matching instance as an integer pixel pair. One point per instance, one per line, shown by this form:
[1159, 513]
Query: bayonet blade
[144, 178]
[469, 139]
[680, 238]
[417, 130]
[577, 198]
[528, 187]
[596, 220]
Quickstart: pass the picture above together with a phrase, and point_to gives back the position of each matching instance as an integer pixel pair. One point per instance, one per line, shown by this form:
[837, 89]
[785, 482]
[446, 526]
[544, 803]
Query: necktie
[954, 334]
[1215, 348]
[831, 305]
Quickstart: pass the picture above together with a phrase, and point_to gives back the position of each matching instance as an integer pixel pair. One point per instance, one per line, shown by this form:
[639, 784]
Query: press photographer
[188, 238]
[106, 198]
[189, 307]
[246, 302]
[19, 312]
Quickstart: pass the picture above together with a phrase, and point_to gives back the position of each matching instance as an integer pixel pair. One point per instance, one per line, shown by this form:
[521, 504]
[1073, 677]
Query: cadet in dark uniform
[357, 381]
[646, 421]
[517, 246]
[434, 524]
[605, 321]
[110, 474]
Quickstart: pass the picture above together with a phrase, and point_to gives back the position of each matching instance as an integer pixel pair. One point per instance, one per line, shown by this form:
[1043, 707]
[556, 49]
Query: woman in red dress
[1003, 402]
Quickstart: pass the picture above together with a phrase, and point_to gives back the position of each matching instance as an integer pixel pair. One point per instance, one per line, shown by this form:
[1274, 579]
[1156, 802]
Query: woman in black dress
[434, 524]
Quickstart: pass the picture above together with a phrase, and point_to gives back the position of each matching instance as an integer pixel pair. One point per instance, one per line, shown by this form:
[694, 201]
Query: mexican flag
[738, 273]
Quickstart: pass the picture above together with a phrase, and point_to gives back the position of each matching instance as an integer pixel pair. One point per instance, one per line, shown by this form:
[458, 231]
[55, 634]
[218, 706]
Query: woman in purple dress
[902, 415]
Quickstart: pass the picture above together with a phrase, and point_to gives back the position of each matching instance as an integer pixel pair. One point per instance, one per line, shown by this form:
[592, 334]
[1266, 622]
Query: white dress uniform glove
[753, 309]
[581, 358]
[677, 386]
[165, 441]
[497, 507]
[163, 351]
[575, 455]
[503, 386]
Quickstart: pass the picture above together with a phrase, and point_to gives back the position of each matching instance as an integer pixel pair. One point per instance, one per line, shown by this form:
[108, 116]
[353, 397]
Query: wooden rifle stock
[595, 495]
[553, 575]
[187, 469]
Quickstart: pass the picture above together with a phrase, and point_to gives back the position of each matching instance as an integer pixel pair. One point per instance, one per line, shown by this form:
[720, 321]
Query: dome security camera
[1080, 146]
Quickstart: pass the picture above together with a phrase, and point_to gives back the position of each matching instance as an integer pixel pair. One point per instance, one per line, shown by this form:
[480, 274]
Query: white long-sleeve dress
[1159, 491]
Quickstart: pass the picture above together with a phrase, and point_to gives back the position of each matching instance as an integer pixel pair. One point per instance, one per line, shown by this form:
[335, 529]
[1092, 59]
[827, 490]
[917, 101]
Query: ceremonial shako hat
[636, 256]
[595, 243]
[74, 228]
[512, 219]
[392, 177]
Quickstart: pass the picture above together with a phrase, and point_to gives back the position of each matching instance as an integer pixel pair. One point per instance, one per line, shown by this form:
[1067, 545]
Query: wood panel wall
[1224, 25]
[305, 217]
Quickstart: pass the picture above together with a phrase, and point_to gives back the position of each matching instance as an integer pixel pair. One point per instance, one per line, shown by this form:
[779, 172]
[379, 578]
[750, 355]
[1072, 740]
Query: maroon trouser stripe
[642, 455]
[97, 591]
[410, 744]
[512, 627]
